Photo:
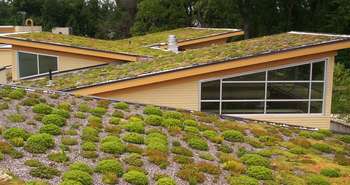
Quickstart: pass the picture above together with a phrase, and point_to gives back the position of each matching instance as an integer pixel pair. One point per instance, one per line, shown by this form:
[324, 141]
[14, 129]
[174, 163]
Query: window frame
[38, 64]
[266, 82]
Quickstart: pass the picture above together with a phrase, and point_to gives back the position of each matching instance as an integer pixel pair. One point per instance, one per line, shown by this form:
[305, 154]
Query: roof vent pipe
[172, 44]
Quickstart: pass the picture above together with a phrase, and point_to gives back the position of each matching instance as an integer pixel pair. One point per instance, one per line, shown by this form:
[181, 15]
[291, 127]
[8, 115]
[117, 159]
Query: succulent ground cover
[171, 61]
[72, 140]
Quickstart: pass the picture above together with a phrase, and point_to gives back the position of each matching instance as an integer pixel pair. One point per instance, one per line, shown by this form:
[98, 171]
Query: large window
[289, 90]
[34, 64]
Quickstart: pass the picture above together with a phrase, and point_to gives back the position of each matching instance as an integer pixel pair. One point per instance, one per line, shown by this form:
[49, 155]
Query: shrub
[50, 129]
[233, 136]
[89, 154]
[317, 135]
[98, 111]
[181, 159]
[344, 138]
[234, 166]
[17, 141]
[114, 121]
[39, 143]
[135, 178]
[70, 182]
[95, 122]
[243, 180]
[198, 143]
[112, 145]
[3, 106]
[90, 134]
[134, 159]
[191, 123]
[152, 110]
[77, 175]
[16, 118]
[121, 105]
[166, 181]
[316, 180]
[134, 138]
[173, 115]
[16, 132]
[157, 141]
[297, 150]
[134, 149]
[170, 122]
[118, 114]
[83, 107]
[64, 106]
[255, 160]
[45, 172]
[82, 167]
[88, 146]
[330, 172]
[109, 178]
[42, 108]
[209, 168]
[213, 136]
[33, 163]
[17, 94]
[109, 165]
[54, 119]
[69, 141]
[191, 174]
[59, 157]
[301, 142]
[322, 147]
[154, 120]
[206, 156]
[135, 126]
[254, 142]
[181, 151]
[30, 101]
[80, 115]
[259, 172]
[224, 148]
[158, 157]
[191, 129]
[61, 112]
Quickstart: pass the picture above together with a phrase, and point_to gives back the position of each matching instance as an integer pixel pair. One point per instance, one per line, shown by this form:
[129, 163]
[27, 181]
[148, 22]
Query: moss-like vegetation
[198, 148]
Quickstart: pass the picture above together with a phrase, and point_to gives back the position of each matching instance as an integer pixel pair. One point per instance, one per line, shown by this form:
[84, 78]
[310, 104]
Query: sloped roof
[168, 61]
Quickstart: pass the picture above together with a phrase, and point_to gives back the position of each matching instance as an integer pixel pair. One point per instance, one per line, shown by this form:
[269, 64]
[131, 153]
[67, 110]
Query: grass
[130, 154]
[170, 61]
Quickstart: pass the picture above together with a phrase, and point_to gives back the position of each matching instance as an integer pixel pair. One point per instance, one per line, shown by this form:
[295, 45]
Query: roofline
[4, 38]
[72, 49]
[319, 34]
[224, 64]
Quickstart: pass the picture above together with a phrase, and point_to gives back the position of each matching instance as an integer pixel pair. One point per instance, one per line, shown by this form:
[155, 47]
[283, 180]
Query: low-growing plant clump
[73, 140]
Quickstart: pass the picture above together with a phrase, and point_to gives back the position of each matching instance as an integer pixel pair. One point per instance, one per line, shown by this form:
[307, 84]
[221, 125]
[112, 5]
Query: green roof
[135, 45]
[190, 58]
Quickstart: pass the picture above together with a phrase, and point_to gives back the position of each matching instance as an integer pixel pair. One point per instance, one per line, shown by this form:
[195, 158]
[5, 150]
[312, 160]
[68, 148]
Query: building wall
[5, 57]
[184, 93]
[66, 61]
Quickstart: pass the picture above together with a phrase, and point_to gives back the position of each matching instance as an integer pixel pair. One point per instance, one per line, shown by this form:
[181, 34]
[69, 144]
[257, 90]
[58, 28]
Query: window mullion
[220, 104]
[38, 63]
[265, 102]
[310, 86]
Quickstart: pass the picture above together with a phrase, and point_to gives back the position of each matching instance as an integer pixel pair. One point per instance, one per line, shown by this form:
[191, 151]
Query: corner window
[289, 90]
[35, 64]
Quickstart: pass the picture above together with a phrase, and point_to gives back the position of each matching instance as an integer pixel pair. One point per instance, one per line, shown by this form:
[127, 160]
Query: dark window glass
[242, 107]
[27, 64]
[46, 63]
[317, 90]
[211, 90]
[288, 91]
[318, 71]
[316, 107]
[250, 77]
[287, 107]
[212, 107]
[243, 91]
[296, 73]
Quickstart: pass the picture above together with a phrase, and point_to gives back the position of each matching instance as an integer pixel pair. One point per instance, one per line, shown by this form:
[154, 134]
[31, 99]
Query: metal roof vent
[172, 44]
